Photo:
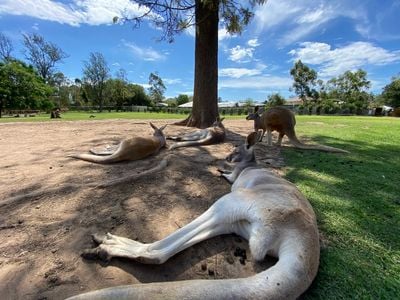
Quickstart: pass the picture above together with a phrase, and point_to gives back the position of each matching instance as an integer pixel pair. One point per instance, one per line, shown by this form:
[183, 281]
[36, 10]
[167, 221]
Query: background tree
[304, 81]
[6, 48]
[137, 95]
[42, 55]
[95, 75]
[350, 90]
[157, 88]
[182, 99]
[275, 100]
[391, 93]
[22, 88]
[174, 16]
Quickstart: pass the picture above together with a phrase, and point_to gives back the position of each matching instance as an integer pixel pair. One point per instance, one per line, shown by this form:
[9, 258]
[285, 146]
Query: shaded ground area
[48, 211]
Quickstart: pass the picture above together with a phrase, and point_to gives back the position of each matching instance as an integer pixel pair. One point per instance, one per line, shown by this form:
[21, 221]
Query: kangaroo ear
[152, 126]
[163, 127]
[222, 119]
[251, 139]
[256, 108]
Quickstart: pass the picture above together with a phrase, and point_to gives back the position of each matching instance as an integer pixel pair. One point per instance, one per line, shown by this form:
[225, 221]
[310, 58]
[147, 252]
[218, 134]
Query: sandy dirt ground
[49, 209]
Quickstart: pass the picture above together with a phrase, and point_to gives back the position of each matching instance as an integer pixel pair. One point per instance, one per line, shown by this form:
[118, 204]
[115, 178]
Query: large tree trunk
[205, 93]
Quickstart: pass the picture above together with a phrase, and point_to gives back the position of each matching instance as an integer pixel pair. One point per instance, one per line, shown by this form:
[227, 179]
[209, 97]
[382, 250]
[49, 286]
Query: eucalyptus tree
[304, 81]
[391, 92]
[175, 16]
[157, 88]
[6, 47]
[95, 75]
[42, 55]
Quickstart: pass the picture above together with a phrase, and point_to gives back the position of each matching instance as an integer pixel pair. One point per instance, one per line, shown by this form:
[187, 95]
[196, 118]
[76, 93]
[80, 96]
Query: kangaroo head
[218, 122]
[245, 152]
[158, 133]
[254, 115]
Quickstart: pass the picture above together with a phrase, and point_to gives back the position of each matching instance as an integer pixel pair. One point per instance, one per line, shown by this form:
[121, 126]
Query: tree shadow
[53, 227]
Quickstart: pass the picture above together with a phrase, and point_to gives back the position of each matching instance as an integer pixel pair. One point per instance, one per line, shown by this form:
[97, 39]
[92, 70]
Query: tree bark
[205, 92]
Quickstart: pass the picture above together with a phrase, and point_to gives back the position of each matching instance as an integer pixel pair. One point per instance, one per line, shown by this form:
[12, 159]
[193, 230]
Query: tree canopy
[174, 16]
[22, 88]
[391, 93]
[95, 74]
[42, 55]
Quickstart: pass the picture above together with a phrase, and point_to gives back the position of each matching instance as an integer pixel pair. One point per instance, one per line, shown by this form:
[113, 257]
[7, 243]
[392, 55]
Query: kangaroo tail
[285, 280]
[96, 158]
[295, 142]
[205, 141]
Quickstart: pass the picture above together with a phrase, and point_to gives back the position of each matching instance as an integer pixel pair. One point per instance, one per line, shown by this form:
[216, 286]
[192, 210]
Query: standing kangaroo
[282, 120]
[208, 136]
[263, 208]
[130, 149]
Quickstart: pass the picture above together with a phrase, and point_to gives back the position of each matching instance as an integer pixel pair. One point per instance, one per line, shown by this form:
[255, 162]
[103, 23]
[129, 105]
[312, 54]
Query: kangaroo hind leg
[211, 223]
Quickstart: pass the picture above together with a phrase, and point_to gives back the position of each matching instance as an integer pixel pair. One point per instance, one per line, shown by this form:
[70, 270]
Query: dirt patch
[48, 208]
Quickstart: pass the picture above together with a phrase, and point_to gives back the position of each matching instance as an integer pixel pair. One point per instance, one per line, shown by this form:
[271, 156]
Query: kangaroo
[263, 208]
[130, 149]
[208, 136]
[282, 120]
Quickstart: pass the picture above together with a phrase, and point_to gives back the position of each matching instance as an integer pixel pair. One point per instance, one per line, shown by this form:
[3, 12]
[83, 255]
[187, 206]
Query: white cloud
[257, 82]
[253, 43]
[240, 54]
[172, 80]
[147, 54]
[35, 27]
[350, 57]
[298, 19]
[238, 72]
[92, 12]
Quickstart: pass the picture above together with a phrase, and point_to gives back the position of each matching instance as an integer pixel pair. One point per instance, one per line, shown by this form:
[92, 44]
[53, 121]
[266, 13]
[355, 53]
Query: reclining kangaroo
[208, 136]
[130, 149]
[263, 208]
[282, 120]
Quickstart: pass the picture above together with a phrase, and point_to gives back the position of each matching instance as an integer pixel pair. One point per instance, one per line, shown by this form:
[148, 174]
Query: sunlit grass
[81, 116]
[356, 198]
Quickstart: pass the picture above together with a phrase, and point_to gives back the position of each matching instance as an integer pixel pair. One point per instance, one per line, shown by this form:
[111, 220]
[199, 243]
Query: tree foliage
[304, 81]
[95, 74]
[157, 88]
[350, 90]
[22, 88]
[275, 100]
[391, 93]
[42, 55]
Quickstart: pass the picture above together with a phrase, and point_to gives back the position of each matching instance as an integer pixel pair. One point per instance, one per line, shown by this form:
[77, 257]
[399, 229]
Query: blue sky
[331, 36]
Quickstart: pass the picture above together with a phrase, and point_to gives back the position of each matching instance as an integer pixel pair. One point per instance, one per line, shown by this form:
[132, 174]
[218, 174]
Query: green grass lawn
[75, 116]
[357, 201]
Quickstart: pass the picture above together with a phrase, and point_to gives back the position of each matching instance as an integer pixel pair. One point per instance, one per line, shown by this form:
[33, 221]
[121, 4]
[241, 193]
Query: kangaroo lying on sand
[208, 136]
[263, 208]
[130, 149]
[282, 120]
